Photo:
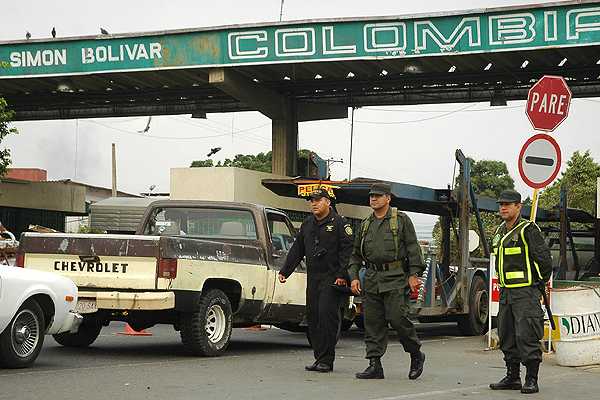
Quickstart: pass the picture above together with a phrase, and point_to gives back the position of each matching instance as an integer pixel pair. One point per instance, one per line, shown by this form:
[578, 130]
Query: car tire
[88, 332]
[207, 330]
[475, 323]
[22, 340]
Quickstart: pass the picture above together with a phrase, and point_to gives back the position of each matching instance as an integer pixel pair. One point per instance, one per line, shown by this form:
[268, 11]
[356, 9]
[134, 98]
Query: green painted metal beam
[552, 25]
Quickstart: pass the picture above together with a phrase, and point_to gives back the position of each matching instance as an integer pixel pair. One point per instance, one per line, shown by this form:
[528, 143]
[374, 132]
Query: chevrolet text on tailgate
[203, 267]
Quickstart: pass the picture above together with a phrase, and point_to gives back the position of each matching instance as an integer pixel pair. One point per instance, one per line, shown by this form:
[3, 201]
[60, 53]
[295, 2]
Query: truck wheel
[207, 330]
[475, 323]
[86, 334]
[22, 339]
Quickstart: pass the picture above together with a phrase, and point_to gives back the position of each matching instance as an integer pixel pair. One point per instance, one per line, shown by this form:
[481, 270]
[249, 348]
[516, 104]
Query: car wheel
[475, 323]
[86, 334]
[22, 339]
[207, 330]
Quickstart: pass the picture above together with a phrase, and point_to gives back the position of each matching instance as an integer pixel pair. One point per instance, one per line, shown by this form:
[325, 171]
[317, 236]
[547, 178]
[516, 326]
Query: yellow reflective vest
[514, 266]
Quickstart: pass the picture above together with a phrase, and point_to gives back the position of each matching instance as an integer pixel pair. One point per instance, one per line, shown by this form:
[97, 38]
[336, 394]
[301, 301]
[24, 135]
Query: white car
[33, 304]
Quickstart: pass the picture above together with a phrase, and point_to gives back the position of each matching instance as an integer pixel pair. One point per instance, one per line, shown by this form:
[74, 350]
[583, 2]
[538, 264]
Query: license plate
[85, 306]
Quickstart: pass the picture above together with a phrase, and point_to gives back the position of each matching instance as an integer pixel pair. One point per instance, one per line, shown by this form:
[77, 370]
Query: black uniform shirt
[326, 244]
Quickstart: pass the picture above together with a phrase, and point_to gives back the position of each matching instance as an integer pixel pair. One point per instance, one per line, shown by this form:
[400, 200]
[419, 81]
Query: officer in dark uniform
[387, 244]
[325, 239]
[523, 265]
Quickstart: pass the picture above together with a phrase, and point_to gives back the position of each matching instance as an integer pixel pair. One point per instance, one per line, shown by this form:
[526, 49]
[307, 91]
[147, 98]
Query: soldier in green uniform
[387, 245]
[523, 264]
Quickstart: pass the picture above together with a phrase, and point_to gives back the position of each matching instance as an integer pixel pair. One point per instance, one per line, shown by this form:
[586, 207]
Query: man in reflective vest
[523, 262]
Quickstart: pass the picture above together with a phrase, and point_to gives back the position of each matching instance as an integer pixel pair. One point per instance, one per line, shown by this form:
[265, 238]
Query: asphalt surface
[269, 364]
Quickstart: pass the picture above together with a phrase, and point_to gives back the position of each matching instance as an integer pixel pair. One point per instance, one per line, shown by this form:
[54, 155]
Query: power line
[418, 120]
[441, 111]
[175, 138]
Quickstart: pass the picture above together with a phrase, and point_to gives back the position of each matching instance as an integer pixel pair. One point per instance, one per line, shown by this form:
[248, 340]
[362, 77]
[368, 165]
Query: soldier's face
[378, 201]
[509, 211]
[319, 206]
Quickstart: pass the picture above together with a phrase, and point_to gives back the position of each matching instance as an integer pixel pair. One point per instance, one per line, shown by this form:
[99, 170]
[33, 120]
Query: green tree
[202, 163]
[580, 178]
[6, 117]
[260, 162]
[489, 178]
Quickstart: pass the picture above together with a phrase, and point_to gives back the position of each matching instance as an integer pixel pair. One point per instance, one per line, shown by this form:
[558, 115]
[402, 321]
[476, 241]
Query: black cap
[509, 196]
[318, 193]
[380, 188]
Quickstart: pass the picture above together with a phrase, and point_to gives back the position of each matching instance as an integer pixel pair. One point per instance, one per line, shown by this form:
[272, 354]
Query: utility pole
[351, 141]
[281, 11]
[114, 171]
[330, 161]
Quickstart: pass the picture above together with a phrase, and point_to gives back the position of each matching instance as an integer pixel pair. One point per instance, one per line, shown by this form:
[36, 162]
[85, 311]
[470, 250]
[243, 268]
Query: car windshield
[203, 222]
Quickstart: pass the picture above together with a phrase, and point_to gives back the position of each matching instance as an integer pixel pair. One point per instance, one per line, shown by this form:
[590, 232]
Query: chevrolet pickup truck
[202, 266]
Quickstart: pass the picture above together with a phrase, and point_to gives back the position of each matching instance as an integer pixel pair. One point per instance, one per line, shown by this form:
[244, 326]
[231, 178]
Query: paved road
[269, 365]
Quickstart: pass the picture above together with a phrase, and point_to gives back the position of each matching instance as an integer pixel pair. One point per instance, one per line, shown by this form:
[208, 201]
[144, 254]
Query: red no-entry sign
[548, 103]
[539, 161]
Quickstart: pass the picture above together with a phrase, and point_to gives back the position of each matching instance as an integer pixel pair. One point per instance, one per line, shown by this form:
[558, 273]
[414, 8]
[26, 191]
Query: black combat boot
[417, 360]
[531, 378]
[512, 380]
[373, 371]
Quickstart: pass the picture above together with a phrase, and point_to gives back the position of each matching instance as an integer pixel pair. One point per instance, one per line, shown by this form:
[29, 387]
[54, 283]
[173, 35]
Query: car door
[287, 303]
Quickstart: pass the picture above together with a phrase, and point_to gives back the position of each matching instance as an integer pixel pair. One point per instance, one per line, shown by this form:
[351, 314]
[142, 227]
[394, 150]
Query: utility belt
[382, 267]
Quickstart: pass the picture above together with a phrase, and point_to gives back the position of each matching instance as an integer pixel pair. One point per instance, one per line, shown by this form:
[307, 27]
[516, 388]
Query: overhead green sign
[510, 29]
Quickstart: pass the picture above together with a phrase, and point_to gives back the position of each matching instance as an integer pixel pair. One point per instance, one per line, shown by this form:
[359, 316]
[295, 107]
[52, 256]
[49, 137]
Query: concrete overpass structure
[306, 70]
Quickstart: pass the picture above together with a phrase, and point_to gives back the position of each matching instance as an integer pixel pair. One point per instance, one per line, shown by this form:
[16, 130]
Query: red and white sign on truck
[548, 103]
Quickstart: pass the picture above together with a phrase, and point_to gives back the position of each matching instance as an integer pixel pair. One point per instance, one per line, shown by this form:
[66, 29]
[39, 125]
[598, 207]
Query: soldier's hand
[355, 285]
[340, 282]
[282, 278]
[414, 282]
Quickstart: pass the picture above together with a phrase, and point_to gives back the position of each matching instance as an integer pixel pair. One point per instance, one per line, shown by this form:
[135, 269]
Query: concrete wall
[54, 196]
[237, 184]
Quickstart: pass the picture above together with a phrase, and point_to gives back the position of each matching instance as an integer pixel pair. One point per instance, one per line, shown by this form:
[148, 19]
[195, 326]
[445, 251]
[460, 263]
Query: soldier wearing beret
[325, 240]
[387, 245]
[523, 264]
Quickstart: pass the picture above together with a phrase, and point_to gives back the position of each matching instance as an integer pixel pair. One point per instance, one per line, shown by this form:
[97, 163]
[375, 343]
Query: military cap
[509, 196]
[380, 188]
[318, 193]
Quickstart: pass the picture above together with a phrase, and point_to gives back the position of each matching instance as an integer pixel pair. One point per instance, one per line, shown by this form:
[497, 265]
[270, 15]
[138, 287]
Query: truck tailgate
[95, 261]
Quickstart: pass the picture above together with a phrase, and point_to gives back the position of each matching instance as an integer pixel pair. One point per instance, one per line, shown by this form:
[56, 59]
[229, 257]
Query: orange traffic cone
[130, 332]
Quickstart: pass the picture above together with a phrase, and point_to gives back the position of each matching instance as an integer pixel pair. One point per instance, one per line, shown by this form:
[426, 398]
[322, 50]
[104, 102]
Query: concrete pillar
[285, 141]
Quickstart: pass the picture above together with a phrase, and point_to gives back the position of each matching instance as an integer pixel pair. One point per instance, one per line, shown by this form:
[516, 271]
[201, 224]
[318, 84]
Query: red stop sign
[548, 103]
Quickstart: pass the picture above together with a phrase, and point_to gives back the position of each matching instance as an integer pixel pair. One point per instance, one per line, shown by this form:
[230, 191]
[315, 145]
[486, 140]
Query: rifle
[542, 288]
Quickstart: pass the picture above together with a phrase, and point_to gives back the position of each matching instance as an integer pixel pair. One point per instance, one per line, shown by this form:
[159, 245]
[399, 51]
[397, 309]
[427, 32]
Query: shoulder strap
[394, 227]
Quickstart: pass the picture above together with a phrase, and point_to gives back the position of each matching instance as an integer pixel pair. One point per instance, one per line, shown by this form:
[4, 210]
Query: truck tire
[88, 332]
[207, 330]
[22, 340]
[475, 323]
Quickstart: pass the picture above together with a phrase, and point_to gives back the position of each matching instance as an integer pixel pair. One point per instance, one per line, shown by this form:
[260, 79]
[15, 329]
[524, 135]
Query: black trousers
[520, 325]
[324, 309]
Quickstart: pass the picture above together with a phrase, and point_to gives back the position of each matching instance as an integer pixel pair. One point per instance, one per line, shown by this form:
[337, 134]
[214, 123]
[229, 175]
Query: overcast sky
[411, 144]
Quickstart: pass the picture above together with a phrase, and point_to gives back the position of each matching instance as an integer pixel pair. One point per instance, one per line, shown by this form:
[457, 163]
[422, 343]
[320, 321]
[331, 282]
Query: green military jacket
[378, 247]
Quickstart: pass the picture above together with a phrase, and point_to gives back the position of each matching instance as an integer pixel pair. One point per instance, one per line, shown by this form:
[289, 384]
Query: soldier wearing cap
[523, 263]
[387, 245]
[325, 239]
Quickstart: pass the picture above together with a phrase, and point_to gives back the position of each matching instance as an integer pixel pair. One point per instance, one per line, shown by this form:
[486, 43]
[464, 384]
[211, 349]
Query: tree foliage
[580, 178]
[6, 117]
[489, 178]
[260, 162]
